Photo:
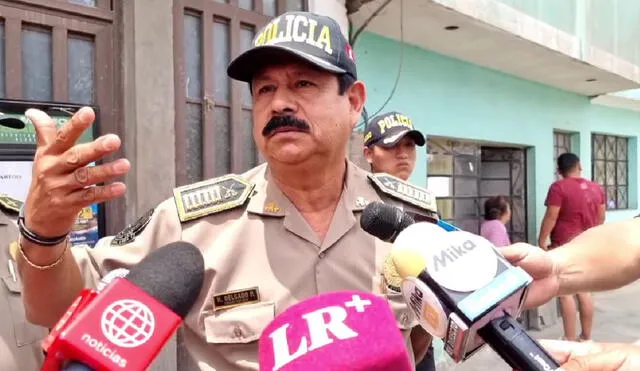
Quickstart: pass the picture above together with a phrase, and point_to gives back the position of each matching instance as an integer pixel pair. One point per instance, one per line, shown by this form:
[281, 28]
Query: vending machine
[17, 149]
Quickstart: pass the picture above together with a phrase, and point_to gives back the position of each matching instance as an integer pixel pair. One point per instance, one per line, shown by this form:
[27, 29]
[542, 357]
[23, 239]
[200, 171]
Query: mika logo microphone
[338, 331]
[125, 326]
[460, 287]
[463, 290]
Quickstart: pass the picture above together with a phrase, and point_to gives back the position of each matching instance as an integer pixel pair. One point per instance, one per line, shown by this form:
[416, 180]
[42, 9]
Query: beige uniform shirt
[261, 249]
[19, 340]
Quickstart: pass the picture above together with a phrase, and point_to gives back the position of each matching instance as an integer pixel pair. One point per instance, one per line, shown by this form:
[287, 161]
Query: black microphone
[384, 221]
[461, 289]
[126, 325]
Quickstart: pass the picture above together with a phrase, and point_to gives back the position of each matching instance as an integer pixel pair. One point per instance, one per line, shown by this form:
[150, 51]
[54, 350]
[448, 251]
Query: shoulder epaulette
[10, 205]
[211, 196]
[404, 191]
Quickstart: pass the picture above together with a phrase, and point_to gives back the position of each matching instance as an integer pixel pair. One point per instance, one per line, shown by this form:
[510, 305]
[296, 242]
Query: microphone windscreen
[172, 274]
[338, 331]
[384, 221]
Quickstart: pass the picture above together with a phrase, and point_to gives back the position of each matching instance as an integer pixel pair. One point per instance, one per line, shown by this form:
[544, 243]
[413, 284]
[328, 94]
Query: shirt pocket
[26, 334]
[240, 325]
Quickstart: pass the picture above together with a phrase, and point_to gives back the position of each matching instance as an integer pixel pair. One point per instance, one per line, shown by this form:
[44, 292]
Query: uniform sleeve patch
[404, 191]
[10, 205]
[211, 196]
[130, 232]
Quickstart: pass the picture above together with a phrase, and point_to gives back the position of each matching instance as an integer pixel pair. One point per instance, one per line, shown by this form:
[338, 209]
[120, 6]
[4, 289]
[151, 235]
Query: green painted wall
[448, 97]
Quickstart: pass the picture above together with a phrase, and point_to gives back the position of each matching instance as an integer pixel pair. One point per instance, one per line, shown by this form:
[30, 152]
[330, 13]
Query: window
[610, 168]
[213, 113]
[65, 52]
[561, 144]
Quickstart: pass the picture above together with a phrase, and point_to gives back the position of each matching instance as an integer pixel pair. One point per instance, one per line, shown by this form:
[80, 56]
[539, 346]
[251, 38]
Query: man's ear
[367, 154]
[357, 94]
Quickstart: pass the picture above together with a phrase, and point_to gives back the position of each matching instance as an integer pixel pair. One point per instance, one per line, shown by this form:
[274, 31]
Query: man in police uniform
[390, 142]
[271, 237]
[20, 341]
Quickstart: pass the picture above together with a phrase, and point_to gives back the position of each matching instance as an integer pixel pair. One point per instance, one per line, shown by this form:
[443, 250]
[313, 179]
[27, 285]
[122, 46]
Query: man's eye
[304, 83]
[265, 89]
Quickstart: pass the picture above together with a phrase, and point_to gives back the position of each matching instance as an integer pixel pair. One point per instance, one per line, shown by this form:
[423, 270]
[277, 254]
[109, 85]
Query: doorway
[463, 174]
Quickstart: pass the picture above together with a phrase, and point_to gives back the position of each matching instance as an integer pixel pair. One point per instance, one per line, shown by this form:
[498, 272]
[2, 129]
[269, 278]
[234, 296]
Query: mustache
[284, 121]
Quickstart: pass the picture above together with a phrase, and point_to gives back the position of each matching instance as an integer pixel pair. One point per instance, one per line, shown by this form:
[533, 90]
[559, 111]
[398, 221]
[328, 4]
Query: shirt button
[321, 255]
[237, 332]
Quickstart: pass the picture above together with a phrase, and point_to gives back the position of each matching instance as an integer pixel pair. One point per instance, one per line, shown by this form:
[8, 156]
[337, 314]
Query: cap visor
[245, 66]
[11, 122]
[417, 137]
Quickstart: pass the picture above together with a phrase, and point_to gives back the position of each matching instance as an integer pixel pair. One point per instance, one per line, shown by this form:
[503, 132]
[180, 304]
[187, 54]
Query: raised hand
[62, 183]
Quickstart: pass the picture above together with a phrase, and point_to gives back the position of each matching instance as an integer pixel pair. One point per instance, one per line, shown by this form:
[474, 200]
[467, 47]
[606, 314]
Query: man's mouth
[286, 129]
[283, 124]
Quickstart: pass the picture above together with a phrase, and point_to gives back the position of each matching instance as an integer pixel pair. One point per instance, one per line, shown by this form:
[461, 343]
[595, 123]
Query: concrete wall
[448, 97]
[148, 103]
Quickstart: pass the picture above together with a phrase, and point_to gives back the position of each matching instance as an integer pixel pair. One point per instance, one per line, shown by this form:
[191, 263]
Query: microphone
[462, 290]
[384, 221]
[345, 330]
[125, 326]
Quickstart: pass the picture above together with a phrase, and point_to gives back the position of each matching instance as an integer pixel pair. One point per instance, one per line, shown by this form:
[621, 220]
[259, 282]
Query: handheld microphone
[125, 326]
[464, 291]
[346, 330]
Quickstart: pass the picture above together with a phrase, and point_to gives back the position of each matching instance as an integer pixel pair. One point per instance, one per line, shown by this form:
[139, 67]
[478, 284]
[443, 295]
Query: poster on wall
[15, 178]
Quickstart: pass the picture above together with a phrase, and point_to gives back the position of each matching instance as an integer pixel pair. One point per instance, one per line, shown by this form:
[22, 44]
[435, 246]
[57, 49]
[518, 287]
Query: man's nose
[283, 102]
[402, 153]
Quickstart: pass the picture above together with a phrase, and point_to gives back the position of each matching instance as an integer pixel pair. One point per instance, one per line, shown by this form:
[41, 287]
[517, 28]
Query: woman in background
[497, 213]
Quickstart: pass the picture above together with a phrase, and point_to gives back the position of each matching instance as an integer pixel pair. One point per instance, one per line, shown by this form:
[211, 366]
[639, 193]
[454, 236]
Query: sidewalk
[617, 319]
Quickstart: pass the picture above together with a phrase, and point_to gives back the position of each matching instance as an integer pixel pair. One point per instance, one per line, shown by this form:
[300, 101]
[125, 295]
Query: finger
[533, 260]
[86, 153]
[96, 194]
[90, 175]
[44, 125]
[608, 361]
[71, 131]
[562, 350]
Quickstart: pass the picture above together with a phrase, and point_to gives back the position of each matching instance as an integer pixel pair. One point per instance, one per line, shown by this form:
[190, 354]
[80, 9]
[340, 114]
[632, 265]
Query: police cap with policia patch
[388, 129]
[310, 37]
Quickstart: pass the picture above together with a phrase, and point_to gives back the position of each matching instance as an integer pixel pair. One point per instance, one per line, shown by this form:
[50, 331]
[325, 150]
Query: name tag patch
[236, 298]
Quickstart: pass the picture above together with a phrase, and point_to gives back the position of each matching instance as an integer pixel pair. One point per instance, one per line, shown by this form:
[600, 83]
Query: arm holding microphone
[602, 258]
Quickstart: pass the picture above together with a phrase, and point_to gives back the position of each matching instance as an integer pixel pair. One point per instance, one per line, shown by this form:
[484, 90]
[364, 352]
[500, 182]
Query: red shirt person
[574, 204]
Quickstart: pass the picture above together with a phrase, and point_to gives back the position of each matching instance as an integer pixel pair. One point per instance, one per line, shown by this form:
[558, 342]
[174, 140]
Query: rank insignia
[271, 207]
[236, 298]
[10, 205]
[404, 191]
[130, 233]
[211, 196]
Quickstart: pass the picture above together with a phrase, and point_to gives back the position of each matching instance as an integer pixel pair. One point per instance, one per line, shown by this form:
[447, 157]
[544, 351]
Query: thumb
[44, 125]
[608, 361]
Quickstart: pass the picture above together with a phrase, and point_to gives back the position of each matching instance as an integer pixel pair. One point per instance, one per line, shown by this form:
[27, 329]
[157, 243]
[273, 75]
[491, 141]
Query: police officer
[271, 237]
[390, 142]
[20, 341]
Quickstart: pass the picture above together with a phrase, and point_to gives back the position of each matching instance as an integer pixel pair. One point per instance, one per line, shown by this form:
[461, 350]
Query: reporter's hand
[594, 356]
[62, 183]
[539, 264]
